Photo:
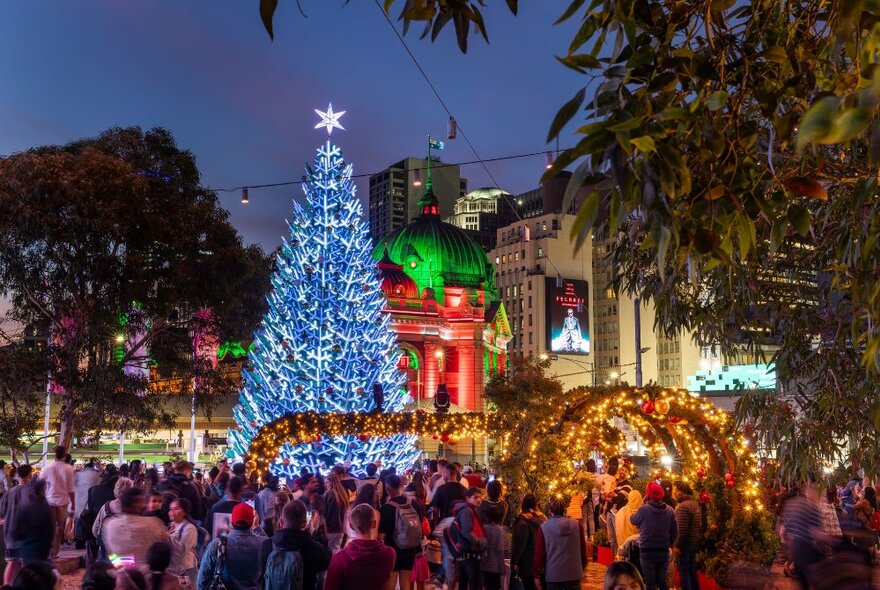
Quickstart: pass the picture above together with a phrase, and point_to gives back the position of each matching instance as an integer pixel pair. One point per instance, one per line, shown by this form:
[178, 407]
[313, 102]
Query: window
[497, 259]
[530, 337]
[504, 259]
[516, 255]
[530, 319]
[514, 291]
[544, 226]
[540, 252]
[530, 302]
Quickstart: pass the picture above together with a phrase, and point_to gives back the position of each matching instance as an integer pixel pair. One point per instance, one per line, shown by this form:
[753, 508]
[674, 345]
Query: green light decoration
[233, 348]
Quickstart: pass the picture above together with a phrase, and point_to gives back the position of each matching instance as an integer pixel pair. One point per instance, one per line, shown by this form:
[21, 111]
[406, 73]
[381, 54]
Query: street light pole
[638, 322]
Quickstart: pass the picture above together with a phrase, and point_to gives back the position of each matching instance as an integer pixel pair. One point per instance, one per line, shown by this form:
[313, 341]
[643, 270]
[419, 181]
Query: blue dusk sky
[206, 70]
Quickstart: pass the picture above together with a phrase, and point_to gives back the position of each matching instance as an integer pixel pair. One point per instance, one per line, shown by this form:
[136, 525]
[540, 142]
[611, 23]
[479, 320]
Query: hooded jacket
[525, 533]
[316, 557]
[657, 528]
[362, 565]
[622, 525]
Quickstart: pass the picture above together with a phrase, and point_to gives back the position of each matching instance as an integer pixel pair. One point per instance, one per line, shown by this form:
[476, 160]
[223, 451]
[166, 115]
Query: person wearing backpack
[292, 559]
[234, 558]
[466, 540]
[525, 534]
[185, 535]
[365, 563]
[400, 527]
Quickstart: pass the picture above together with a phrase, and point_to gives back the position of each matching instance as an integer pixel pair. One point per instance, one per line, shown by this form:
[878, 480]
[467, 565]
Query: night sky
[243, 105]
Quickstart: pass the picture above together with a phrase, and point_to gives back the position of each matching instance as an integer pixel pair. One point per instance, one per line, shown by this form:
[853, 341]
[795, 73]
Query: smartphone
[120, 561]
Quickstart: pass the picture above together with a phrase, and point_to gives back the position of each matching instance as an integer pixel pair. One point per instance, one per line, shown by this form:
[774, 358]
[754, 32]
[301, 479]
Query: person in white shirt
[60, 494]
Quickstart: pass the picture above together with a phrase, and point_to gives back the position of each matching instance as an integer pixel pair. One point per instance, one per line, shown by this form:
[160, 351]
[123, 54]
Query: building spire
[429, 204]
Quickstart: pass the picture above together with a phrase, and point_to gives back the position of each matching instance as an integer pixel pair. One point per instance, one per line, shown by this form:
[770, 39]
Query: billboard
[568, 330]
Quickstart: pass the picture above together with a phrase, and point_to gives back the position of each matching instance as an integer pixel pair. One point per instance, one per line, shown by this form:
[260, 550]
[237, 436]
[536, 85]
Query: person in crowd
[498, 549]
[438, 477]
[592, 499]
[525, 535]
[622, 575]
[398, 512]
[33, 527]
[560, 548]
[154, 507]
[348, 482]
[689, 522]
[293, 537]
[99, 576]
[218, 520]
[111, 507]
[6, 482]
[98, 496]
[179, 482]
[657, 533]
[336, 501]
[473, 480]
[136, 474]
[623, 527]
[235, 556]
[129, 578]
[421, 571]
[366, 494]
[849, 493]
[369, 476]
[366, 563]
[617, 499]
[158, 560]
[444, 499]
[801, 529]
[830, 514]
[184, 536]
[418, 484]
[264, 504]
[494, 502]
[35, 576]
[865, 506]
[473, 536]
[130, 532]
[84, 480]
[61, 494]
[11, 505]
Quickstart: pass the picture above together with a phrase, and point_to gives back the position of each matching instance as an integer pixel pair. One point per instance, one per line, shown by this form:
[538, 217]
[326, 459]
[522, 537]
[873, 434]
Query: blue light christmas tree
[324, 343]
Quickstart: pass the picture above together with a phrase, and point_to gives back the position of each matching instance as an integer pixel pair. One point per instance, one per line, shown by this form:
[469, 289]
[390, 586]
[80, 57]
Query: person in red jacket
[365, 563]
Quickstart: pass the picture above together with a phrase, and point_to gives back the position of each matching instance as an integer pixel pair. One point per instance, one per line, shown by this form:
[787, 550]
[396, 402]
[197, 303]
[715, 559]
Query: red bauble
[421, 411]
[648, 407]
[674, 419]
[329, 390]
[285, 344]
[705, 498]
[701, 473]
[444, 438]
[286, 462]
[730, 483]
[299, 388]
[363, 437]
[317, 438]
[728, 476]
[713, 527]
[434, 436]
[360, 390]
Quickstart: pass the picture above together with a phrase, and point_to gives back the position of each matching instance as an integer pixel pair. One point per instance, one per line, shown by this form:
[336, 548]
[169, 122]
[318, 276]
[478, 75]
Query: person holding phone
[132, 533]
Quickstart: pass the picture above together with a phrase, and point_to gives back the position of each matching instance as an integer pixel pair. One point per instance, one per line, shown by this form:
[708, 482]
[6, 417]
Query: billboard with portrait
[567, 316]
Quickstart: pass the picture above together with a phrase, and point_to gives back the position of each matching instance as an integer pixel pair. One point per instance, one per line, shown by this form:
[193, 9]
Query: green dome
[437, 254]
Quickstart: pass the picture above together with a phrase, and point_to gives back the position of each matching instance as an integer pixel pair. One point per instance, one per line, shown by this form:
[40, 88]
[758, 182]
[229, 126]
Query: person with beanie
[237, 552]
[657, 533]
[365, 563]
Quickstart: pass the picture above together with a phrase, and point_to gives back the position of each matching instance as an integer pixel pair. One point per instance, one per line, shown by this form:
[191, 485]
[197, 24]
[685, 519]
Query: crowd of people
[364, 527]
[166, 528]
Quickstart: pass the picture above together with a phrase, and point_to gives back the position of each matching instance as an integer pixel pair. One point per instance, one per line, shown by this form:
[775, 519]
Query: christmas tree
[324, 346]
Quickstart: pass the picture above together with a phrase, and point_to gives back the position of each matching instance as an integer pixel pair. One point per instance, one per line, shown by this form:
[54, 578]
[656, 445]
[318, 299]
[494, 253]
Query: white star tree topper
[329, 119]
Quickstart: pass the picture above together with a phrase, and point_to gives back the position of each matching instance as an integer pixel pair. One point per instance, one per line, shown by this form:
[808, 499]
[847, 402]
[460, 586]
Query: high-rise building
[395, 192]
[481, 212]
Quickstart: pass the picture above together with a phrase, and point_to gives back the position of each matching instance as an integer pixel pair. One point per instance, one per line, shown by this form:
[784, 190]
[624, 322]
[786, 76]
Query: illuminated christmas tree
[324, 345]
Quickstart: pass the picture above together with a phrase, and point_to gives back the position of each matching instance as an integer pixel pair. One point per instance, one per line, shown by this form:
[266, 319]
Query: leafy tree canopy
[112, 244]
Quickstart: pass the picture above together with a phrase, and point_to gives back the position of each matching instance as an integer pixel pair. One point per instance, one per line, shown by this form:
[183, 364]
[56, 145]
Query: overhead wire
[367, 174]
[449, 112]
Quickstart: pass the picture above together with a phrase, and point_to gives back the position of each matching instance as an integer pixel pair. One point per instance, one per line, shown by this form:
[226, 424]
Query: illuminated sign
[567, 316]
[732, 378]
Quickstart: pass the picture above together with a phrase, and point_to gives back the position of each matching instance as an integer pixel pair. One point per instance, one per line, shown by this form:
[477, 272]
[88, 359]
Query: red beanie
[654, 491]
[243, 514]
